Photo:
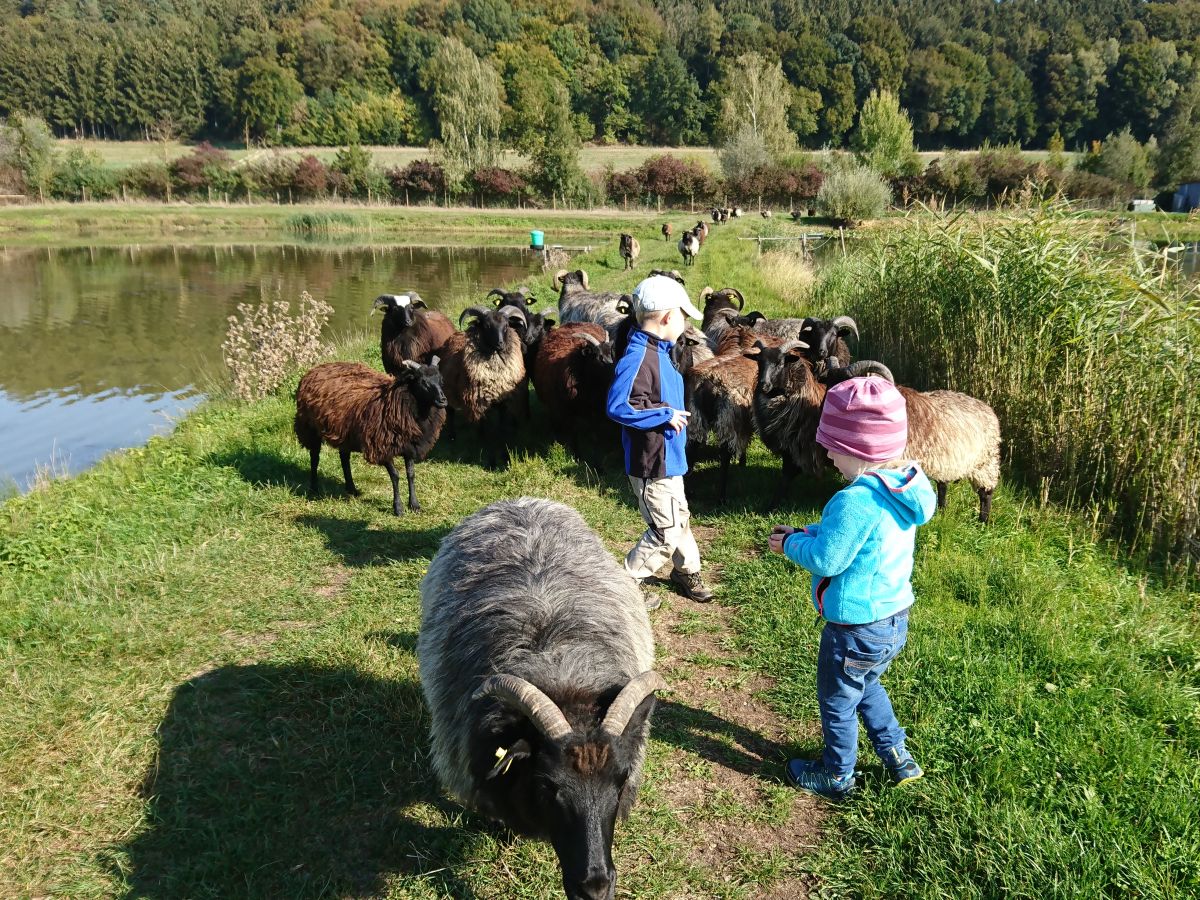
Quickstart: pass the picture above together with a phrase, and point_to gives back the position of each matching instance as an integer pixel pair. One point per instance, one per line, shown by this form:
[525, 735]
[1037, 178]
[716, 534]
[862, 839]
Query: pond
[102, 347]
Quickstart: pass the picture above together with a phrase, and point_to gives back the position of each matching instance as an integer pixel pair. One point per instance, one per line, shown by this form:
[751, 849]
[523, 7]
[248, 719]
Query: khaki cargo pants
[664, 508]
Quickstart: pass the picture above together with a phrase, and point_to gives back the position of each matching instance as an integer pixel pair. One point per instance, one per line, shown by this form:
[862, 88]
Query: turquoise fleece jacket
[861, 552]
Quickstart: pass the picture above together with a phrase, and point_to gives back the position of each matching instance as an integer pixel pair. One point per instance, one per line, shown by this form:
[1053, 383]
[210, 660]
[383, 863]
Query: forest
[340, 72]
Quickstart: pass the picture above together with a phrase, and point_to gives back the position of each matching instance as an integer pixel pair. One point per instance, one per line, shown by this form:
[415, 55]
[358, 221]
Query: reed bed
[1081, 341]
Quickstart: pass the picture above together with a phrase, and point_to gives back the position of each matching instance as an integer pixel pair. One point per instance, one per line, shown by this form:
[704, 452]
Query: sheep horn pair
[870, 367]
[544, 713]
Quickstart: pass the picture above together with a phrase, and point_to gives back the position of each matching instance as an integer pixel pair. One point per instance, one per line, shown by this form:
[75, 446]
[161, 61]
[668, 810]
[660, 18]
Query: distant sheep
[630, 250]
[536, 661]
[410, 330]
[689, 247]
[667, 230]
[358, 410]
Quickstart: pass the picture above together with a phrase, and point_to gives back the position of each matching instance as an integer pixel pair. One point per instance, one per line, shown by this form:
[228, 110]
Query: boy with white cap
[646, 400]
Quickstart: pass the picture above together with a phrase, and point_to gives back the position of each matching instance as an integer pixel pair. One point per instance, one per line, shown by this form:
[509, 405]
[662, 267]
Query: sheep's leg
[314, 457]
[941, 492]
[985, 504]
[350, 488]
[448, 428]
[726, 458]
[410, 470]
[790, 471]
[390, 465]
[503, 429]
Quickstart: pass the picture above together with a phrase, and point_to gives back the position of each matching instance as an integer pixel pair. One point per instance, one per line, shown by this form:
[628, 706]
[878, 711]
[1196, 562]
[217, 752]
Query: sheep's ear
[506, 757]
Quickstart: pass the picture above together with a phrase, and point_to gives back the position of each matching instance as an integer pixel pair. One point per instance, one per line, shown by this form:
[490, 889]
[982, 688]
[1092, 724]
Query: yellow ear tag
[500, 751]
[501, 763]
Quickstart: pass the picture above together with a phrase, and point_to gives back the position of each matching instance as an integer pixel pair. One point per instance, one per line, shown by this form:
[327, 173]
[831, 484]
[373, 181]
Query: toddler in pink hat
[861, 557]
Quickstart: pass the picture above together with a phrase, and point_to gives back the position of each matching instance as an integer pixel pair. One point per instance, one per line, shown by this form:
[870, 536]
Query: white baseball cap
[659, 293]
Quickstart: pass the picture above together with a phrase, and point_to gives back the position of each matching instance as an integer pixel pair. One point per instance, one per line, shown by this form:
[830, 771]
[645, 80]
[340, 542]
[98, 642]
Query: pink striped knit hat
[865, 418]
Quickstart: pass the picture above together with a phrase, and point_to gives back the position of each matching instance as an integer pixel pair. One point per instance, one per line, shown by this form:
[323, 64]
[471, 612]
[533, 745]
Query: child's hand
[778, 535]
[679, 419]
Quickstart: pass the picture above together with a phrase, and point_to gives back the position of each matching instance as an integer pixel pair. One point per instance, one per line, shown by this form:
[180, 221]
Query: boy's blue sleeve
[844, 528]
[628, 402]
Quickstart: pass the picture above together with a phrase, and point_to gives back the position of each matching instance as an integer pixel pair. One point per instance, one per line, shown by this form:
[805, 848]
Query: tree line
[331, 72]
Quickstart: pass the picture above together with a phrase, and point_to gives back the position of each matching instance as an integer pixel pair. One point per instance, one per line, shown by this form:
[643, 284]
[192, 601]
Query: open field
[120, 154]
[210, 685]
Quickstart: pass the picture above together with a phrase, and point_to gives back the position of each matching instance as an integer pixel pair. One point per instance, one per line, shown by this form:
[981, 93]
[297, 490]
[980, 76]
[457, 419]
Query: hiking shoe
[691, 585]
[901, 766]
[809, 775]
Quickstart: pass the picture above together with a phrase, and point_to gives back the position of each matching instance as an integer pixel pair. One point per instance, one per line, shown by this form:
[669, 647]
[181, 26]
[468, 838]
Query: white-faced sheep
[952, 435]
[483, 368]
[629, 249]
[571, 374]
[410, 330]
[536, 660]
[689, 247]
[358, 410]
[577, 303]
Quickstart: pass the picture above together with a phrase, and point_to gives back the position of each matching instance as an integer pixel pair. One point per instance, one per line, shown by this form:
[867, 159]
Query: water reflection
[102, 346]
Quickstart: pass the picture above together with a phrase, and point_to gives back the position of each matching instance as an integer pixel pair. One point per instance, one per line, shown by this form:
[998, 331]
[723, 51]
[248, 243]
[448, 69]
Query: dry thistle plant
[265, 343]
[555, 258]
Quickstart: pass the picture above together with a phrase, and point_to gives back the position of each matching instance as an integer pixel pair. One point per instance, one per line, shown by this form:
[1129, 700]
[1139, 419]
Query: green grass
[210, 688]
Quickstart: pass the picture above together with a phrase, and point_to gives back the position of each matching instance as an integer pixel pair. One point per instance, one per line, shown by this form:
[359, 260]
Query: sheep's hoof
[353, 492]
[398, 511]
[414, 506]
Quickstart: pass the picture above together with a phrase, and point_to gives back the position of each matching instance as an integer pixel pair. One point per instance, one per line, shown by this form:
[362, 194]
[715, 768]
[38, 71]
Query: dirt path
[726, 780]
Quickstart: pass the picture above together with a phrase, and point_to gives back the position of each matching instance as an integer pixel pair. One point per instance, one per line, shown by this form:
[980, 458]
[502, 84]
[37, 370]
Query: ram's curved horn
[870, 367]
[558, 278]
[846, 322]
[788, 346]
[706, 293]
[584, 336]
[524, 697]
[631, 696]
[477, 311]
[584, 277]
[741, 300]
[383, 301]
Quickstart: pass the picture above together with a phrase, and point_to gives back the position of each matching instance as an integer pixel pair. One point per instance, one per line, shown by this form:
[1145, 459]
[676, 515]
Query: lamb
[484, 368]
[720, 396]
[630, 249]
[953, 436]
[358, 410]
[576, 303]
[689, 246]
[666, 231]
[536, 660]
[571, 374]
[410, 330]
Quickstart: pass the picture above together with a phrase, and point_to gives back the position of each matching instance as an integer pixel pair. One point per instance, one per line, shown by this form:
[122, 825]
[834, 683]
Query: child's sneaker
[809, 775]
[901, 766]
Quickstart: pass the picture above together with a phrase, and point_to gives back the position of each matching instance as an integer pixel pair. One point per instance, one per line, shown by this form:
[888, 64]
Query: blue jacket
[861, 552]
[646, 390]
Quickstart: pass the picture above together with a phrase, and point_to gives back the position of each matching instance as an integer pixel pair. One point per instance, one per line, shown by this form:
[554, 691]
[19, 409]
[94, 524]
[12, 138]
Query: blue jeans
[849, 664]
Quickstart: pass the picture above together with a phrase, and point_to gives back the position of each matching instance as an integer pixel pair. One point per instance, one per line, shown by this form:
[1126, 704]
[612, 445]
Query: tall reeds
[1085, 347]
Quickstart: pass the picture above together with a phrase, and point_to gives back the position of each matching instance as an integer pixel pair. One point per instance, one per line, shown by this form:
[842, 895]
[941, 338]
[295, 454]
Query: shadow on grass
[360, 544]
[293, 781]
[264, 469]
[718, 740]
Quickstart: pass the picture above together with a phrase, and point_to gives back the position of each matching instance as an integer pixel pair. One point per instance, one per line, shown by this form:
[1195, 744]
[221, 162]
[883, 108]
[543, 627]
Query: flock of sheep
[535, 649]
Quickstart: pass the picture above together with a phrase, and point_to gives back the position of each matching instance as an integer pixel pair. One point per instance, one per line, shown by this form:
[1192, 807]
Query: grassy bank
[211, 691]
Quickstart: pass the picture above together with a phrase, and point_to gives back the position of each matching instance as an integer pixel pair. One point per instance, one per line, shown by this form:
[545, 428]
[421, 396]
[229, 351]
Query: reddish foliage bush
[777, 184]
[310, 178]
[206, 166]
[422, 178]
[493, 183]
[677, 180]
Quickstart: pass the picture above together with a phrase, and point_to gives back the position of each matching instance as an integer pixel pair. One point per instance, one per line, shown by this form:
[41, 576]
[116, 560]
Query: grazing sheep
[736, 212]
[953, 436]
[410, 330]
[720, 395]
[667, 230]
[689, 246]
[630, 250]
[787, 409]
[536, 660]
[484, 368]
[358, 410]
[571, 374]
[765, 213]
[576, 303]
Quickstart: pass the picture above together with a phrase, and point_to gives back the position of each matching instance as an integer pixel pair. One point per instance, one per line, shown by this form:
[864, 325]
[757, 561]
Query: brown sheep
[571, 374]
[358, 410]
[410, 330]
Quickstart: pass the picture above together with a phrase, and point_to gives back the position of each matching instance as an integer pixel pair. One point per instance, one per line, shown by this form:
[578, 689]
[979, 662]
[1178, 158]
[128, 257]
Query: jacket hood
[907, 491]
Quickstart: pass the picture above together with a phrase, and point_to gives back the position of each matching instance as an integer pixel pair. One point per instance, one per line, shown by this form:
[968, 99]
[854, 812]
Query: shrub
[1121, 158]
[310, 178]
[272, 177]
[421, 179]
[353, 163]
[205, 168]
[884, 138]
[619, 186]
[779, 184]
[495, 183]
[852, 194]
[80, 175]
[267, 343]
[676, 180]
[149, 179]
[954, 179]
[1003, 172]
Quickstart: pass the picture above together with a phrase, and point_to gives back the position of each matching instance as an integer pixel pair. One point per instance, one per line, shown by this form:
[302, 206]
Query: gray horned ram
[536, 660]
[953, 436]
[576, 303]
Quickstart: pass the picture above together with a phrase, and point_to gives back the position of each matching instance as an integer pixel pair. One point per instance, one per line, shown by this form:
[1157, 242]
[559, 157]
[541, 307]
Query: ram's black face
[599, 357]
[425, 383]
[774, 365]
[493, 330]
[822, 336]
